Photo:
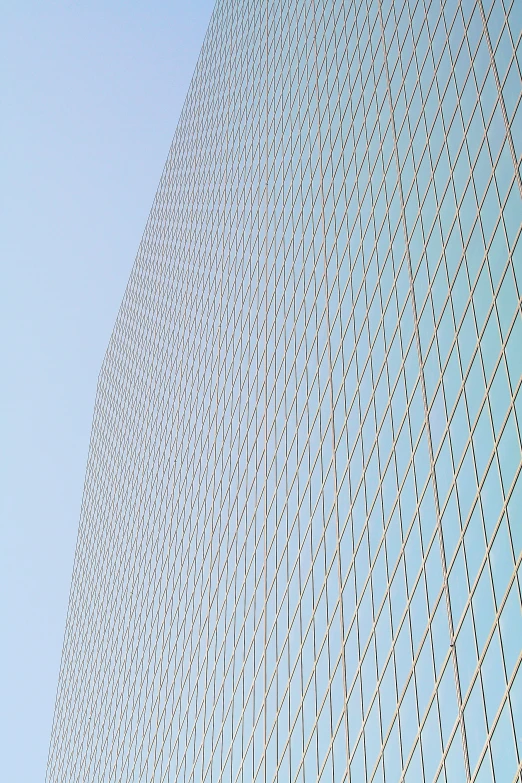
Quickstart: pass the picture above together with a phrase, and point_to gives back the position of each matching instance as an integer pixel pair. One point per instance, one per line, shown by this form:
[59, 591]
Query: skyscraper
[300, 540]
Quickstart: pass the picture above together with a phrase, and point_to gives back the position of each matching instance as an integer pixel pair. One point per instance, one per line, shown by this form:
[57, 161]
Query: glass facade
[300, 541]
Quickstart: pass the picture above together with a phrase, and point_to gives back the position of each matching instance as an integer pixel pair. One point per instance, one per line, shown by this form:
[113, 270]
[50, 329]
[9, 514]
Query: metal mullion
[432, 471]
[477, 673]
[493, 67]
[102, 599]
[465, 375]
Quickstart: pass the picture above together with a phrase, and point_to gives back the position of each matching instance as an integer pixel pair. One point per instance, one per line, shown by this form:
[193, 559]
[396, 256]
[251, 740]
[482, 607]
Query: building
[300, 540]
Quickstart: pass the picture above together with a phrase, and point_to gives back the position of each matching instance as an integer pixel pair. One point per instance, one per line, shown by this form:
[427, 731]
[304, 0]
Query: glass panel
[315, 373]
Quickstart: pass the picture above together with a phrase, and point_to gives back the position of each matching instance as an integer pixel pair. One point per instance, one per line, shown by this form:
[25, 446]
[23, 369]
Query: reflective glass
[300, 542]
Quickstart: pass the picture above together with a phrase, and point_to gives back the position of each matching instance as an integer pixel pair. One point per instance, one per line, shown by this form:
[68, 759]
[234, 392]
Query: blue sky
[90, 94]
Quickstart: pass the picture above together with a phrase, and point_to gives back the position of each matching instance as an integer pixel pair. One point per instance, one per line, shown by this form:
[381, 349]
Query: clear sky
[91, 92]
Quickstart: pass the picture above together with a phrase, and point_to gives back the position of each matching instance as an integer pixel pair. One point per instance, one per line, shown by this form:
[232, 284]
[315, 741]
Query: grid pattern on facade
[300, 540]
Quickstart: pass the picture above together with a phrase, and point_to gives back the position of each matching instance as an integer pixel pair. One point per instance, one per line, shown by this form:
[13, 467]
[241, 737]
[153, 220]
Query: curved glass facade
[300, 541]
